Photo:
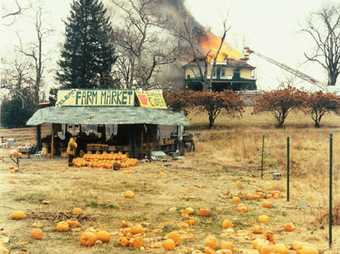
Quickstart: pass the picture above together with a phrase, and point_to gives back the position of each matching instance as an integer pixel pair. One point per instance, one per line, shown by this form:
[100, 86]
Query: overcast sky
[271, 27]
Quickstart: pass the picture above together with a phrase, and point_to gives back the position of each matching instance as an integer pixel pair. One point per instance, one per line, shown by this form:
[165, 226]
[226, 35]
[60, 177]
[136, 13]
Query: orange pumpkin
[169, 244]
[257, 229]
[88, 239]
[236, 200]
[175, 236]
[37, 234]
[211, 242]
[288, 227]
[137, 242]
[267, 204]
[73, 223]
[204, 212]
[17, 215]
[308, 249]
[123, 241]
[280, 249]
[224, 251]
[208, 250]
[227, 245]
[264, 219]
[62, 226]
[190, 222]
[267, 249]
[77, 211]
[241, 208]
[137, 229]
[103, 236]
[276, 194]
[129, 194]
[227, 224]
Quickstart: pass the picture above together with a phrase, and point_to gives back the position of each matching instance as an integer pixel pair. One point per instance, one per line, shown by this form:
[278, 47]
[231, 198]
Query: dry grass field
[226, 164]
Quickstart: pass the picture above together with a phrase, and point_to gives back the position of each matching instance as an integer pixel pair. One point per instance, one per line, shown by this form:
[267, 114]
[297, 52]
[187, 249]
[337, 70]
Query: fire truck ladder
[285, 67]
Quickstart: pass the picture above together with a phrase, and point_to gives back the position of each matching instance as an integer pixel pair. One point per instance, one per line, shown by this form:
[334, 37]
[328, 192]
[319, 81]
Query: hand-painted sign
[151, 99]
[88, 98]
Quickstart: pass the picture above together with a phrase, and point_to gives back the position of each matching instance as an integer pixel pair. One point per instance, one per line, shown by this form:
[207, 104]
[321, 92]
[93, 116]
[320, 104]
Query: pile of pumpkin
[105, 160]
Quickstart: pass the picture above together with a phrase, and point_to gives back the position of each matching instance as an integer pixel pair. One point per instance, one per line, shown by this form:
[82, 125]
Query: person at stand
[71, 150]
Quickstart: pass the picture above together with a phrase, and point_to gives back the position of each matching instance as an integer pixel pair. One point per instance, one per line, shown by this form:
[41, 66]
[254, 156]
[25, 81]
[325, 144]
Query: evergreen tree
[88, 53]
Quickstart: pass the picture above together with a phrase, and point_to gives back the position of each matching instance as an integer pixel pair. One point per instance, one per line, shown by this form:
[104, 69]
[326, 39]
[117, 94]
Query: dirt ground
[226, 164]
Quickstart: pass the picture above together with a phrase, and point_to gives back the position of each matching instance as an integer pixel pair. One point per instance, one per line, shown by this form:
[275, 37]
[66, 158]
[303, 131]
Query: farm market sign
[88, 98]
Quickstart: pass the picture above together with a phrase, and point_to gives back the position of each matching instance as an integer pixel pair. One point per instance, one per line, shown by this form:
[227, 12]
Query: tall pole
[288, 169]
[330, 212]
[262, 157]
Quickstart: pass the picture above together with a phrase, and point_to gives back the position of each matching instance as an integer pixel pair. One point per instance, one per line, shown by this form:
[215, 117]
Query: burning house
[232, 72]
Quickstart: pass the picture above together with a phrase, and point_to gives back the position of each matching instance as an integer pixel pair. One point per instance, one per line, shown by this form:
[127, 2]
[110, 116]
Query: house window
[237, 74]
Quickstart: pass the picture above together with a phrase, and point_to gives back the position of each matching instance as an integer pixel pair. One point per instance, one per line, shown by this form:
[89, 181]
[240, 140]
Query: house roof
[229, 62]
[106, 115]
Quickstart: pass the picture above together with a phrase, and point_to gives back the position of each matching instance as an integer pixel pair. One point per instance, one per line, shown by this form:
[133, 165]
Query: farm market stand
[135, 122]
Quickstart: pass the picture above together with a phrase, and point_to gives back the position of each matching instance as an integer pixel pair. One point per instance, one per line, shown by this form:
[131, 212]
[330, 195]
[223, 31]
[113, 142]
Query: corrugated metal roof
[106, 115]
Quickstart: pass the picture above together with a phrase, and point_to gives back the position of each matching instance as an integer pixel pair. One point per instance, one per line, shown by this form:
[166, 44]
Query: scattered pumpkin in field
[190, 222]
[224, 251]
[137, 229]
[123, 241]
[227, 224]
[280, 249]
[186, 212]
[62, 226]
[168, 244]
[227, 245]
[258, 243]
[17, 215]
[77, 211]
[103, 236]
[288, 227]
[204, 212]
[264, 219]
[308, 249]
[241, 208]
[129, 194]
[267, 204]
[137, 242]
[175, 236]
[267, 249]
[73, 223]
[211, 242]
[37, 234]
[236, 200]
[257, 229]
[276, 194]
[208, 250]
[88, 239]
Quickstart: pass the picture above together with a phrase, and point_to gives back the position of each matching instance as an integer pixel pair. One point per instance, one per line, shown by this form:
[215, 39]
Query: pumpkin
[62, 226]
[241, 208]
[190, 222]
[73, 223]
[208, 250]
[37, 234]
[236, 200]
[137, 229]
[103, 236]
[308, 249]
[258, 243]
[123, 241]
[169, 244]
[280, 249]
[17, 215]
[129, 194]
[77, 211]
[137, 242]
[288, 227]
[227, 223]
[175, 236]
[204, 212]
[88, 239]
[224, 251]
[257, 229]
[227, 245]
[297, 245]
[187, 211]
[267, 249]
[276, 194]
[264, 219]
[267, 204]
[211, 242]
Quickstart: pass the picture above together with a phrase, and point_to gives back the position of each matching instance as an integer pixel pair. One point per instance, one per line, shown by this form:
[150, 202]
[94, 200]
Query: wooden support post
[330, 211]
[52, 142]
[262, 157]
[38, 137]
[288, 169]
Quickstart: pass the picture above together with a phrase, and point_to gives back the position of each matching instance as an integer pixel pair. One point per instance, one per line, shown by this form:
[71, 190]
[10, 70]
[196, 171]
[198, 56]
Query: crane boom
[285, 67]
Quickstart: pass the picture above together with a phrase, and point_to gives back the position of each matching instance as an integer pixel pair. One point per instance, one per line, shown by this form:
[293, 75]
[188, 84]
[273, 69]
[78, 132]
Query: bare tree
[324, 29]
[142, 49]
[18, 10]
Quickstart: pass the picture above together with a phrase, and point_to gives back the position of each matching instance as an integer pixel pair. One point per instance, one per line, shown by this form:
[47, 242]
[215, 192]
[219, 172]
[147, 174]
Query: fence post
[262, 157]
[330, 211]
[288, 169]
